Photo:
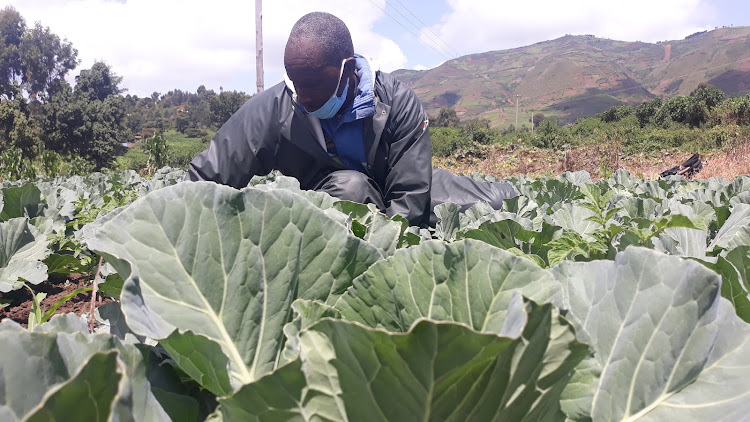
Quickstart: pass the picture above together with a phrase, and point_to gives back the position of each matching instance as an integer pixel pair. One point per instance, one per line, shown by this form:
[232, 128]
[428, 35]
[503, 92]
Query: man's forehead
[305, 53]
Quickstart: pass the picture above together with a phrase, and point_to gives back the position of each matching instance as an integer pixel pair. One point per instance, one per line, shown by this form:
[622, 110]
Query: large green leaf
[22, 249]
[735, 225]
[21, 201]
[47, 374]
[373, 226]
[226, 265]
[574, 217]
[434, 372]
[448, 221]
[503, 233]
[691, 242]
[731, 280]
[467, 281]
[666, 345]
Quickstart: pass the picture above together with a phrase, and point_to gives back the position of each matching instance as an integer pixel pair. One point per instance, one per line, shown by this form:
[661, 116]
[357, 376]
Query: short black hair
[326, 30]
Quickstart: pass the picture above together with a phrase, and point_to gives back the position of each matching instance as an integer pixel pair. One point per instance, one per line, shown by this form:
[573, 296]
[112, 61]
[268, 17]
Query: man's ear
[350, 66]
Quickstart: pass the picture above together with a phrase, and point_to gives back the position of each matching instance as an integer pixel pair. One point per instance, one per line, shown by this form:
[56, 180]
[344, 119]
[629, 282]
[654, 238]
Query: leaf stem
[92, 319]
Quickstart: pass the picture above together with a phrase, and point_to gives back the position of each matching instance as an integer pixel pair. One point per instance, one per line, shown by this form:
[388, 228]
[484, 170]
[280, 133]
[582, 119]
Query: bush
[550, 135]
[732, 111]
[479, 131]
[616, 113]
[194, 132]
[646, 112]
[446, 141]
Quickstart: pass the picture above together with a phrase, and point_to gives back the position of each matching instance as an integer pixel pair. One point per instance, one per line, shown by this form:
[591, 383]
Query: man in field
[339, 126]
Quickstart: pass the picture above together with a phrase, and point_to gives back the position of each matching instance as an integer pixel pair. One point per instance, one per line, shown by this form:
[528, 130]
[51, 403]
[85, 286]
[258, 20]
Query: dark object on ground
[688, 169]
[354, 186]
[465, 192]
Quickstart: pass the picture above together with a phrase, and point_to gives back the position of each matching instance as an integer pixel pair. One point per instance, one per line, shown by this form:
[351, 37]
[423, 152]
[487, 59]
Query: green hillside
[577, 76]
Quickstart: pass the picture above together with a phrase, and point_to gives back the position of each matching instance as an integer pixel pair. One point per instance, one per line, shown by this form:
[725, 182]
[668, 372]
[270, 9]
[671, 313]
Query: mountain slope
[576, 76]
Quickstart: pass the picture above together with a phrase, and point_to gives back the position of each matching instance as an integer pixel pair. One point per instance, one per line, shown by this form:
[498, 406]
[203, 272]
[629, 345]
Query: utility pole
[517, 97]
[532, 122]
[258, 46]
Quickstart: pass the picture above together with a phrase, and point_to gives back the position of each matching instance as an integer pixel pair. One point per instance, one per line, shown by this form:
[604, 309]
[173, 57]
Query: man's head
[317, 46]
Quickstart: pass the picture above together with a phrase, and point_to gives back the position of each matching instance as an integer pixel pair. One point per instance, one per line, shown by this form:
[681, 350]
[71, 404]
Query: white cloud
[158, 45]
[499, 25]
[420, 67]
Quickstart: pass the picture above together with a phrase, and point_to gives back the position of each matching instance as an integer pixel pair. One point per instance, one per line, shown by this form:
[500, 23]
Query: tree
[224, 105]
[98, 83]
[708, 95]
[616, 113]
[478, 130]
[35, 59]
[646, 112]
[78, 121]
[538, 118]
[446, 117]
[182, 123]
[16, 127]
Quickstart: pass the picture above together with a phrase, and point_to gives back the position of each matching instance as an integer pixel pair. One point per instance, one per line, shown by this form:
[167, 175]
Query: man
[341, 127]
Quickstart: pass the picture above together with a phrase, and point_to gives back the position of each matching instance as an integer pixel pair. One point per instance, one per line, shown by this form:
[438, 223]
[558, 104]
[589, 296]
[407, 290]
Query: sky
[160, 45]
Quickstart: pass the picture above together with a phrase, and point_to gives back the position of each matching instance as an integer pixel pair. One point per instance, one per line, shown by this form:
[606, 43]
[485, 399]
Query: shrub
[646, 112]
[445, 141]
[550, 135]
[195, 132]
[479, 131]
[616, 113]
[732, 111]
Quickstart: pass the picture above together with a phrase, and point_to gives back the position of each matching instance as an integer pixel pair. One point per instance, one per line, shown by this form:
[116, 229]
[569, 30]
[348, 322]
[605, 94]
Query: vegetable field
[618, 300]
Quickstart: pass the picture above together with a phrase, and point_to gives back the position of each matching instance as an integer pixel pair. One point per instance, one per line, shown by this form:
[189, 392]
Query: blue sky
[158, 45]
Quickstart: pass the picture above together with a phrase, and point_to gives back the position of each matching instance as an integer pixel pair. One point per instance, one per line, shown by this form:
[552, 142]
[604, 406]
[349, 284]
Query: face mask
[333, 105]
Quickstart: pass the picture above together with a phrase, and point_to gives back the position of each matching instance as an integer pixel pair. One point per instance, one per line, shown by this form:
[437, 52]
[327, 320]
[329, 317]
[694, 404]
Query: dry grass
[599, 160]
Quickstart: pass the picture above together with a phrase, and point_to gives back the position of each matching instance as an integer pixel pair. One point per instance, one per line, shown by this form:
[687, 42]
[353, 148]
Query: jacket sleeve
[407, 185]
[244, 146]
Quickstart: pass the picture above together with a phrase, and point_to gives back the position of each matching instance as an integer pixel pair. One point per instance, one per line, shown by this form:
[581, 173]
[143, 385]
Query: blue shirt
[345, 132]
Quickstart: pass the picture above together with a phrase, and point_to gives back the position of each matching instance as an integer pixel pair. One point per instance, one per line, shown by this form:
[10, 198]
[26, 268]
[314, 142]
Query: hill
[577, 76]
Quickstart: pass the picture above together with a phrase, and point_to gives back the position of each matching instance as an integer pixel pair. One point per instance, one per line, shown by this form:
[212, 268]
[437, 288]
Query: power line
[410, 31]
[455, 53]
[419, 29]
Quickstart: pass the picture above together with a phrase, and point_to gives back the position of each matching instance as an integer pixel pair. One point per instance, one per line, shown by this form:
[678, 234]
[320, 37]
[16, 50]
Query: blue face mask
[333, 105]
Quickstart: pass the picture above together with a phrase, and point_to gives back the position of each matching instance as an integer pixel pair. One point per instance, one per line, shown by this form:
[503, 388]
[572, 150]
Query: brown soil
[21, 299]
[599, 161]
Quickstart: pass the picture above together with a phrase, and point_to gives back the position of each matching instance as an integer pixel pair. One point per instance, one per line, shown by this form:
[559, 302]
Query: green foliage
[224, 105]
[158, 151]
[447, 140]
[79, 123]
[14, 166]
[34, 57]
[98, 83]
[181, 150]
[537, 118]
[182, 123]
[51, 163]
[707, 95]
[646, 112]
[525, 305]
[479, 131]
[549, 135]
[39, 316]
[446, 117]
[616, 113]
[733, 111]
[16, 126]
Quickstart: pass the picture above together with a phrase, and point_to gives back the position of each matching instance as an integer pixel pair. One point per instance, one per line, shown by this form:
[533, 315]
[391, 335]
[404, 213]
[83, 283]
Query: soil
[21, 300]
[599, 161]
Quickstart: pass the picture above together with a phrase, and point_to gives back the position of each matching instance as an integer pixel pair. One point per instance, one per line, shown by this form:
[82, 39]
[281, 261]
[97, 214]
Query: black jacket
[270, 133]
